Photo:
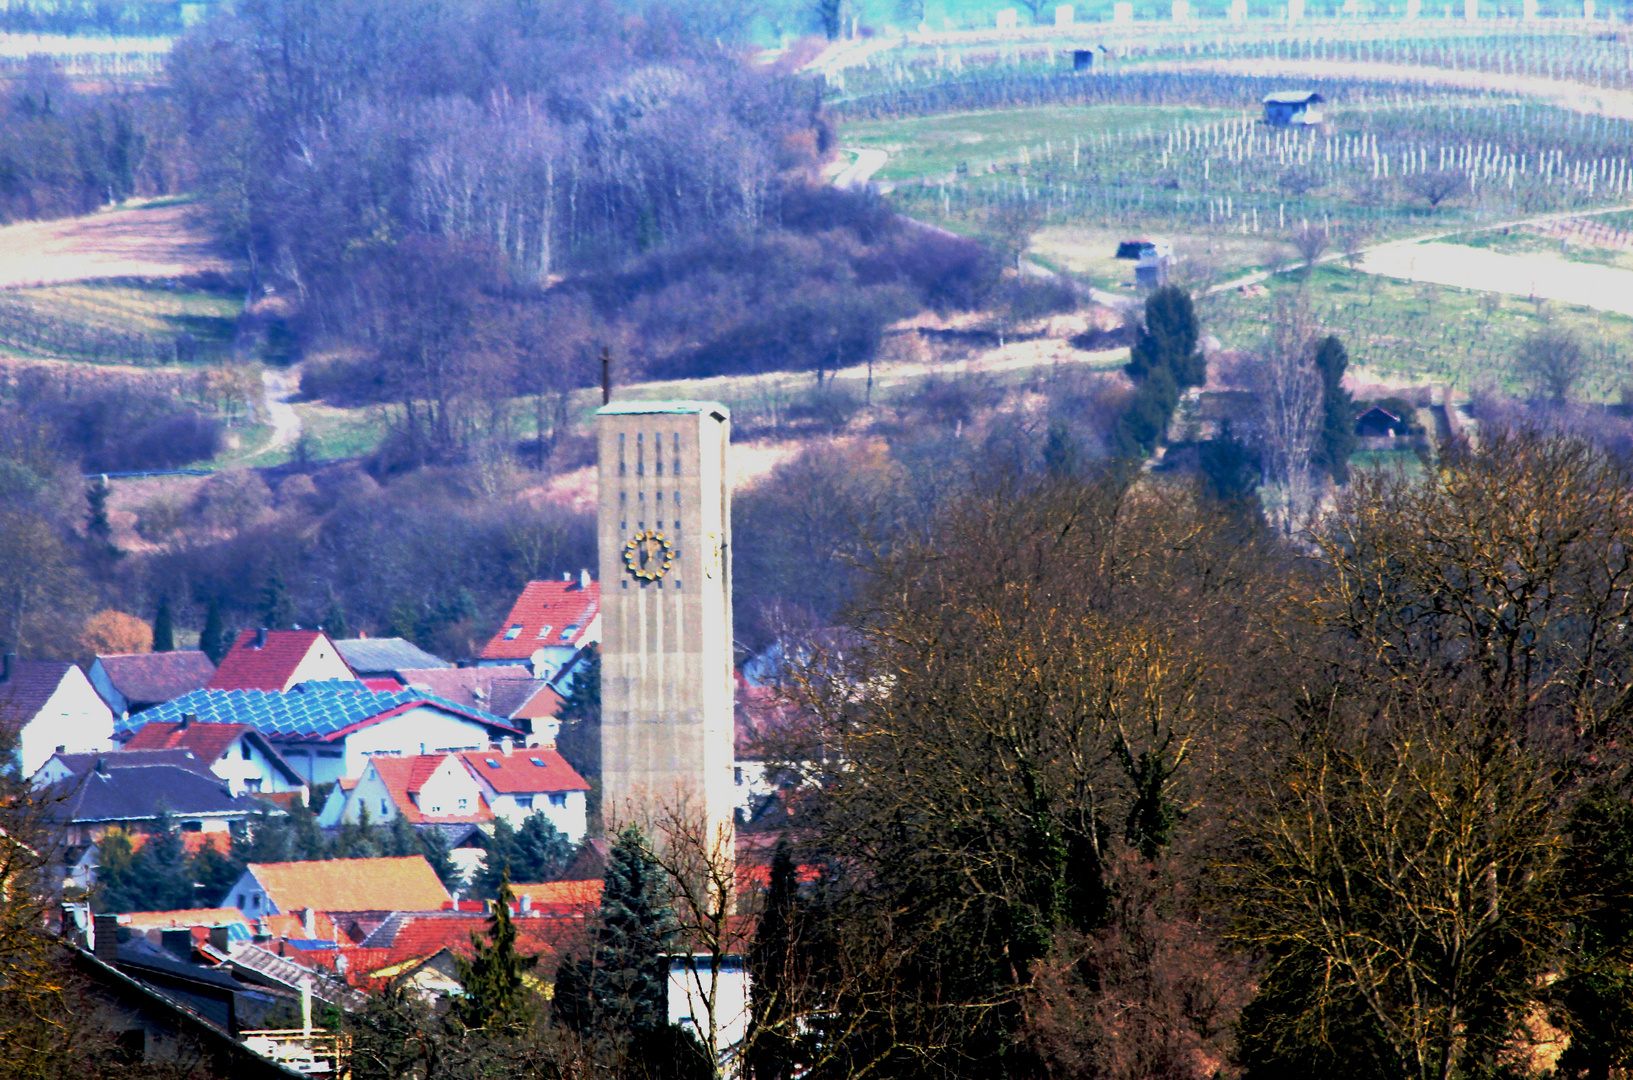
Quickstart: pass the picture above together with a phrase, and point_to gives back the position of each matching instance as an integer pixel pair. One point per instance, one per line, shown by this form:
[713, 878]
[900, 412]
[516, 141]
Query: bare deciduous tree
[1436, 186]
[1553, 361]
[1290, 414]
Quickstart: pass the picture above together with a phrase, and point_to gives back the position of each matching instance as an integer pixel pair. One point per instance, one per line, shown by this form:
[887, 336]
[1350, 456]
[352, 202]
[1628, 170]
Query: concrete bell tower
[664, 531]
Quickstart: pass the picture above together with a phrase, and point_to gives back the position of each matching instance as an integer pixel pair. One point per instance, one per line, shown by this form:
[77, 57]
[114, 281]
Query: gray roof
[142, 792]
[385, 655]
[129, 759]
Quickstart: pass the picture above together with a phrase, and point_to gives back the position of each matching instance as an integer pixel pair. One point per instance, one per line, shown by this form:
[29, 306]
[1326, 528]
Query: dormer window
[536, 761]
[544, 631]
[568, 631]
[492, 764]
[514, 632]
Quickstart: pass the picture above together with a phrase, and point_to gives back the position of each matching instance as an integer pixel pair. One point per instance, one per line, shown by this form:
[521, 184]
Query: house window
[568, 631]
[544, 631]
[558, 799]
[514, 632]
[240, 901]
[253, 785]
[385, 808]
[462, 804]
[524, 802]
[243, 748]
[536, 761]
[737, 775]
[192, 826]
[436, 809]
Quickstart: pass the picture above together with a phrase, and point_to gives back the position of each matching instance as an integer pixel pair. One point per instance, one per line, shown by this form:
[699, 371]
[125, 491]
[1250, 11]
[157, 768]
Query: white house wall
[74, 717]
[690, 987]
[238, 770]
[569, 819]
[322, 662]
[421, 730]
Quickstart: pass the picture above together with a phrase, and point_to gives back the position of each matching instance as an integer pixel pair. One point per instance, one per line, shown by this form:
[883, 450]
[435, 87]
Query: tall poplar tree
[164, 633]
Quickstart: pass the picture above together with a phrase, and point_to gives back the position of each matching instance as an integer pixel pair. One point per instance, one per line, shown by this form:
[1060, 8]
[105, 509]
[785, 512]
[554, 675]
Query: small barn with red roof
[278, 659]
[547, 626]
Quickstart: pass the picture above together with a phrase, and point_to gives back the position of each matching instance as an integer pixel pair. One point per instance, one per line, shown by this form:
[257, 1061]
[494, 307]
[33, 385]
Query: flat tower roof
[636, 408]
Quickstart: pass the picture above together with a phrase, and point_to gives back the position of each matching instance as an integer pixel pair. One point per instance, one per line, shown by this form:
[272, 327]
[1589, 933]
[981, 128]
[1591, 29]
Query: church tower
[664, 531]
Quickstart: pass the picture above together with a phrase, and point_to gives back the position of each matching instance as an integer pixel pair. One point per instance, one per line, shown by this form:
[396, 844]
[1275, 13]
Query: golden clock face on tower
[648, 556]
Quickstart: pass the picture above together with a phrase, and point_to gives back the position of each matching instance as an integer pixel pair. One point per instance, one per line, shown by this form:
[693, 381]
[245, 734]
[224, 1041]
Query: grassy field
[1401, 329]
[144, 325]
[937, 146]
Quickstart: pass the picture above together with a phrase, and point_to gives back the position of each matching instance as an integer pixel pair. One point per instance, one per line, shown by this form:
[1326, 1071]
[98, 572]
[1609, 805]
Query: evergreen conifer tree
[496, 995]
[164, 634]
[434, 846]
[214, 874]
[1337, 410]
[496, 863]
[213, 638]
[771, 962]
[620, 991]
[1060, 453]
[117, 887]
[334, 621]
[97, 526]
[161, 869]
[541, 851]
[277, 610]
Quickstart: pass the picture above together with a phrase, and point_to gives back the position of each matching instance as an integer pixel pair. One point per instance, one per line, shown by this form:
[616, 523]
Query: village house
[135, 797]
[339, 885]
[278, 660]
[420, 789]
[329, 730]
[131, 682]
[237, 753]
[49, 705]
[517, 782]
[547, 626]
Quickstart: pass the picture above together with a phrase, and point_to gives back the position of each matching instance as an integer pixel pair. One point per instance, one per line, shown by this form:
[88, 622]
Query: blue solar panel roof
[311, 710]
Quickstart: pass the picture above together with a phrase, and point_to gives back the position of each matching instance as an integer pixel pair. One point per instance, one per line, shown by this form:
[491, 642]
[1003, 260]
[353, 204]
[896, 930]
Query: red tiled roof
[31, 685]
[555, 605]
[385, 684]
[151, 678]
[421, 935]
[147, 920]
[192, 842]
[405, 776]
[397, 884]
[578, 893]
[208, 741]
[517, 772]
[293, 925]
[269, 667]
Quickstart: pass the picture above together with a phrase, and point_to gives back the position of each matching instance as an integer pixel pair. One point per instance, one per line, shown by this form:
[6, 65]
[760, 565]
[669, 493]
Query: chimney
[105, 939]
[262, 931]
[11, 665]
[565, 576]
[102, 765]
[178, 942]
[507, 745]
[187, 719]
[584, 579]
[606, 376]
[220, 939]
[62, 748]
[309, 923]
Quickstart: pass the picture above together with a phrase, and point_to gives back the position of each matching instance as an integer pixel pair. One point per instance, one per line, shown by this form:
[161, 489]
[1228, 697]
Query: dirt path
[860, 171]
[150, 242]
[1567, 95]
[281, 386]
